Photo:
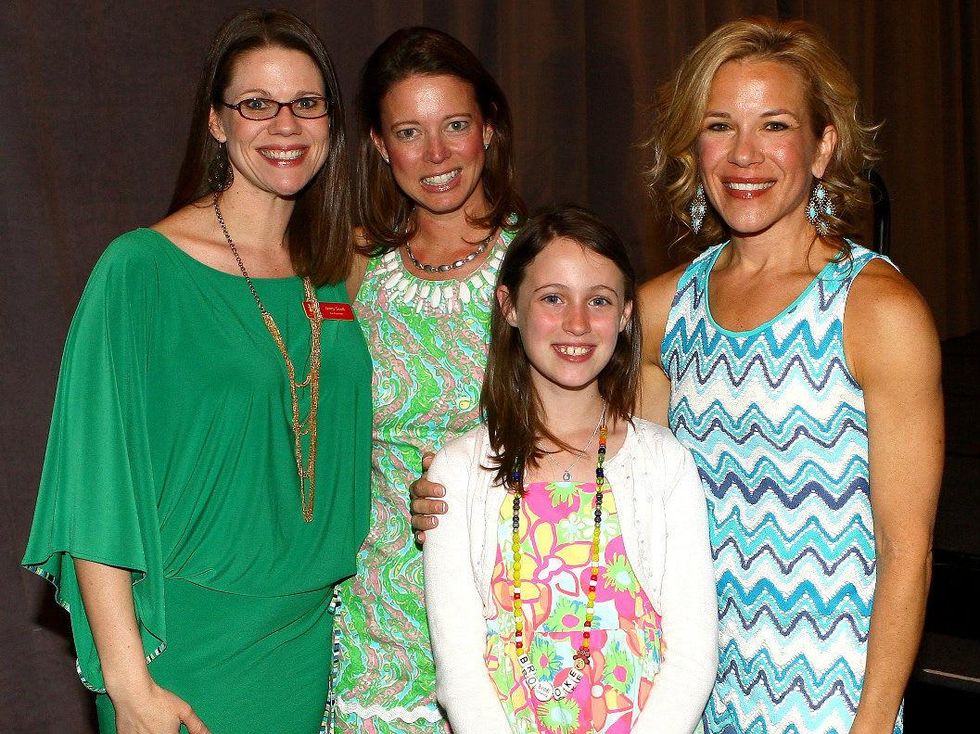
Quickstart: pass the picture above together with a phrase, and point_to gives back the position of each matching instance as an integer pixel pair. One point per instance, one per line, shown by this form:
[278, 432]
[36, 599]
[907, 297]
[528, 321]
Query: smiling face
[570, 308]
[281, 155]
[433, 135]
[757, 152]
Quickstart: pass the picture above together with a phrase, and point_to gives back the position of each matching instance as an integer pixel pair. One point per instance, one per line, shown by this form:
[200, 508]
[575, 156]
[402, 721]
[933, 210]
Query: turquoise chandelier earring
[697, 209]
[819, 208]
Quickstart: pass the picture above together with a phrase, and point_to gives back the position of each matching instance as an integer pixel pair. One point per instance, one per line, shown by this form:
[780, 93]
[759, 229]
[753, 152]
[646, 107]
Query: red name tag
[331, 311]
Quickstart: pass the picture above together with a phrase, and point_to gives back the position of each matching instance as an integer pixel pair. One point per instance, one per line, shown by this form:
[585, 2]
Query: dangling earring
[698, 208]
[819, 208]
[220, 172]
[385, 159]
[486, 146]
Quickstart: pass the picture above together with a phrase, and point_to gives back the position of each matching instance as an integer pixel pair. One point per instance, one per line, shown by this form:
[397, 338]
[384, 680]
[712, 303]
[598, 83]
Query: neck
[777, 249]
[446, 232]
[571, 411]
[256, 222]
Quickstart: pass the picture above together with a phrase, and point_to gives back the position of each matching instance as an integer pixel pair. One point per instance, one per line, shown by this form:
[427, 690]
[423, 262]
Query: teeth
[441, 179]
[574, 351]
[283, 155]
[739, 186]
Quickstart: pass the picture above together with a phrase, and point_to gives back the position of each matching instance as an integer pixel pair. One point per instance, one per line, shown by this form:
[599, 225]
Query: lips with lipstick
[743, 188]
[283, 156]
[441, 181]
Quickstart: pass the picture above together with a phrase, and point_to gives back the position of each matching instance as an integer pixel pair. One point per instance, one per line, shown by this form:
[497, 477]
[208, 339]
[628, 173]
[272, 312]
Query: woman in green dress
[438, 206]
[206, 481]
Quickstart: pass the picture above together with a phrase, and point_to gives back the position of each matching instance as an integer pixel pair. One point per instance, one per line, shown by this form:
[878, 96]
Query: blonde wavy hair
[829, 89]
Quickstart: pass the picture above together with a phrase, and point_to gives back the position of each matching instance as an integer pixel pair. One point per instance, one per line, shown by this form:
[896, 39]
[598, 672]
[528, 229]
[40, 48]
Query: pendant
[543, 690]
[567, 476]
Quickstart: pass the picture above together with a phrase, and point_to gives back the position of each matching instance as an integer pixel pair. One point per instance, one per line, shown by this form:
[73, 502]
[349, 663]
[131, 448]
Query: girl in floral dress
[569, 586]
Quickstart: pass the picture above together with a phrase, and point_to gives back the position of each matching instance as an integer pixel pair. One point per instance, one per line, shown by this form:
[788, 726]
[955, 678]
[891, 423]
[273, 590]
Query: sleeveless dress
[429, 343]
[171, 454]
[778, 429]
[556, 530]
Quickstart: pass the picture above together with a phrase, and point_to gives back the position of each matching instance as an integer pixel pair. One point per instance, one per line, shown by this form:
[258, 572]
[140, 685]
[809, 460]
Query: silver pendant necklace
[567, 474]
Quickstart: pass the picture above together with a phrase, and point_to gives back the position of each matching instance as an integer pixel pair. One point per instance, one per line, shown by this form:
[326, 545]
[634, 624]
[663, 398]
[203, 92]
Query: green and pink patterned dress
[556, 528]
[428, 340]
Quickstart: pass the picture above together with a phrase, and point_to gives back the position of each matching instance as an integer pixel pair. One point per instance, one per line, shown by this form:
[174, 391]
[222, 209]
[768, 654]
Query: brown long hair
[508, 401]
[383, 210]
[319, 233]
[828, 87]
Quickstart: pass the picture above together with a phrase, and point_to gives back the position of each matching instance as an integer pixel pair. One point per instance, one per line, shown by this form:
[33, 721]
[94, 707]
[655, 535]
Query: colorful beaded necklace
[544, 690]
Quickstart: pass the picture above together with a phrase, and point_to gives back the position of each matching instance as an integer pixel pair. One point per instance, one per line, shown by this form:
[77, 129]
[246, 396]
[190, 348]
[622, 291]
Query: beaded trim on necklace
[440, 297]
[545, 690]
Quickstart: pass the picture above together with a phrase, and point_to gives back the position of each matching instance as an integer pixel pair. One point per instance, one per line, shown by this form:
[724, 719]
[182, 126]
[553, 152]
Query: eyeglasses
[259, 108]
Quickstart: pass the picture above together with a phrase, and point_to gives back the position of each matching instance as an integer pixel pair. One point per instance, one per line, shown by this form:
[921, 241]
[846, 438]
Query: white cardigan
[663, 517]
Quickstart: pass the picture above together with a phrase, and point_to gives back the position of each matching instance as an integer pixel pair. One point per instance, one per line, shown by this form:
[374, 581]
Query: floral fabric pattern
[556, 528]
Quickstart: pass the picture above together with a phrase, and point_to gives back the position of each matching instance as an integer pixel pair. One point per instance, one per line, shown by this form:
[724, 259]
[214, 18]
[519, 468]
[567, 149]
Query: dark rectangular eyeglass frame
[238, 107]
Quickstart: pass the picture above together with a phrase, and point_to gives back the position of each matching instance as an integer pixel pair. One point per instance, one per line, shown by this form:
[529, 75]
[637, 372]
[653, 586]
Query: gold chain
[301, 427]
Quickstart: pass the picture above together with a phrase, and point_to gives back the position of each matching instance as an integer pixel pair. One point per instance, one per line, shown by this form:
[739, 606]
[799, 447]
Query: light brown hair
[829, 89]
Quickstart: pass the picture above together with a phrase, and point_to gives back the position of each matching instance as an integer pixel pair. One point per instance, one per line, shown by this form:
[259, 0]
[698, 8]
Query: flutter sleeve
[97, 499]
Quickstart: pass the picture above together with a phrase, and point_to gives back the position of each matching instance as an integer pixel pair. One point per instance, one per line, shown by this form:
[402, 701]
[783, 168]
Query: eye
[256, 104]
[406, 133]
[552, 298]
[458, 126]
[717, 126]
[310, 104]
[600, 301]
[776, 126]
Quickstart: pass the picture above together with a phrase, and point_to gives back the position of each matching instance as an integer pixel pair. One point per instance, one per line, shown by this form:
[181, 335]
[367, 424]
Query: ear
[506, 305]
[215, 127]
[379, 145]
[825, 151]
[625, 318]
[487, 134]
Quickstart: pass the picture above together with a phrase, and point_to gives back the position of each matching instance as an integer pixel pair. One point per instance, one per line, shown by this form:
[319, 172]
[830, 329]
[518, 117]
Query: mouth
[441, 181]
[574, 352]
[282, 156]
[747, 188]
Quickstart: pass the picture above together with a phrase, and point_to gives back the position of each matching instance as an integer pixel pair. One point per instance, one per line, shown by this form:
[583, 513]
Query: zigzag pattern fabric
[777, 425]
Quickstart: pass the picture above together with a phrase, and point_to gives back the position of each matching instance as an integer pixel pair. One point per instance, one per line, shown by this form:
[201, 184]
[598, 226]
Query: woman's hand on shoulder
[653, 301]
[426, 504]
[146, 708]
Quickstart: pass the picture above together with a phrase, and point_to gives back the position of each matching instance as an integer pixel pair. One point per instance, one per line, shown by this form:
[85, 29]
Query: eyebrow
[266, 94]
[596, 287]
[767, 113]
[467, 115]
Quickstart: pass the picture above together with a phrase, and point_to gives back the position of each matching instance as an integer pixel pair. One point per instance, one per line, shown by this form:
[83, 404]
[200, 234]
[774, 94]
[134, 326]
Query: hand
[424, 507]
[150, 709]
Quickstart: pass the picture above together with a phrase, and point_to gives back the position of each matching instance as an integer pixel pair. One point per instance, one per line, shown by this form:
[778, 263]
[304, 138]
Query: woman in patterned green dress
[437, 206]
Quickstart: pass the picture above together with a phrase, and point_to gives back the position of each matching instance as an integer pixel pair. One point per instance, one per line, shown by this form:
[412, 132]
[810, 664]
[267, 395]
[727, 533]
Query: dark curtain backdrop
[96, 103]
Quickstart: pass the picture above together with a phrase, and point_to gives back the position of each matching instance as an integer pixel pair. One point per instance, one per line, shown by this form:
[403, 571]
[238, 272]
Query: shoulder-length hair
[320, 233]
[383, 210]
[508, 401]
[828, 87]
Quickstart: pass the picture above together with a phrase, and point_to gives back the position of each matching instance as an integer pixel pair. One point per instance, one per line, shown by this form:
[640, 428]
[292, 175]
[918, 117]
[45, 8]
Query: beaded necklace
[301, 426]
[544, 690]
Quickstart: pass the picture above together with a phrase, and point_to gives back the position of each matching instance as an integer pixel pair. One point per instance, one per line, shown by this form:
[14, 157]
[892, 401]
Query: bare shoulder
[358, 264]
[654, 298]
[887, 322]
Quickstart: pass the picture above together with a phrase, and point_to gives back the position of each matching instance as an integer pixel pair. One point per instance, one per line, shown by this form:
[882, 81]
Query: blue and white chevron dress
[777, 425]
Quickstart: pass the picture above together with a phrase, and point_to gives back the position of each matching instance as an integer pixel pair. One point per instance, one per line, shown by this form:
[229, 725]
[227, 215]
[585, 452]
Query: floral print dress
[556, 529]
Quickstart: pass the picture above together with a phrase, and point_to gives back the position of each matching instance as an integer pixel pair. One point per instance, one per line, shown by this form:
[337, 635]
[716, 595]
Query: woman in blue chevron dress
[802, 371]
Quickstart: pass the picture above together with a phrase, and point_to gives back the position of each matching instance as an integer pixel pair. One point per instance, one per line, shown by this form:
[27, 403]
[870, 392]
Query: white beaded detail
[438, 297]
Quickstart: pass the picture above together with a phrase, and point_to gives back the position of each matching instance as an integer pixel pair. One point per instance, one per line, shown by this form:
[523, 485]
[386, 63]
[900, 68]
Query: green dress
[171, 454]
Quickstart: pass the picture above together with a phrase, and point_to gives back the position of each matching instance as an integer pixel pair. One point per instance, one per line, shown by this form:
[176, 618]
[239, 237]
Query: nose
[285, 122]
[436, 150]
[745, 149]
[577, 319]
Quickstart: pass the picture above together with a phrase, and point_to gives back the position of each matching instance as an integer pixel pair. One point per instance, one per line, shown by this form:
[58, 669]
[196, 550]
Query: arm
[654, 300]
[358, 268]
[893, 351]
[140, 704]
[425, 504]
[454, 606]
[688, 607]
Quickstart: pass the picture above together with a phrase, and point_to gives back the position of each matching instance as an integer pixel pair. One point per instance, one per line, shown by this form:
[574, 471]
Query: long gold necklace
[301, 427]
